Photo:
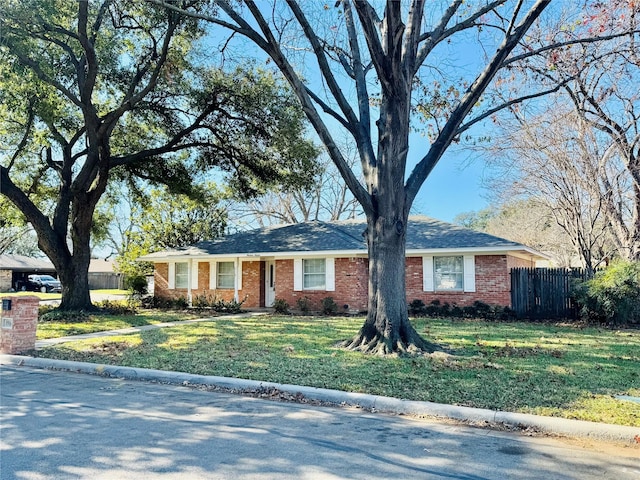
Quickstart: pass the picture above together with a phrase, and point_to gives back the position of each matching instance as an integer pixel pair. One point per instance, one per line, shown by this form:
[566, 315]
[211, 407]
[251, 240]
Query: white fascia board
[523, 251]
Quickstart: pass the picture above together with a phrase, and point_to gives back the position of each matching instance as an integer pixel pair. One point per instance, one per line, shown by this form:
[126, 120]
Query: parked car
[43, 283]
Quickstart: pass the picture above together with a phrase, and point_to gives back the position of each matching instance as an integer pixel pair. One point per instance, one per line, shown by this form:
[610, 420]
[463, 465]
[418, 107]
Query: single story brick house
[329, 259]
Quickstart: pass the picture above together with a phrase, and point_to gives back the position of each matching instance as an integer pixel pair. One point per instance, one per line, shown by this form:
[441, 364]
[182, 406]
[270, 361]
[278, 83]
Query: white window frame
[457, 274]
[314, 276]
[468, 274]
[181, 279]
[329, 275]
[226, 275]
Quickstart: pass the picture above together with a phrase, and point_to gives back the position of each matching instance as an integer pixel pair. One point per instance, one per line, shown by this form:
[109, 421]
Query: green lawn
[534, 368]
[98, 323]
[41, 296]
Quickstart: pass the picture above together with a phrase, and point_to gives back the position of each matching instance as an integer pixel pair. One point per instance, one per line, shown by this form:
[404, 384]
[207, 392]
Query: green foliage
[179, 303]
[161, 220]
[304, 305]
[281, 306]
[612, 296]
[116, 307]
[63, 316]
[208, 300]
[96, 92]
[136, 284]
[329, 306]
[478, 309]
[417, 307]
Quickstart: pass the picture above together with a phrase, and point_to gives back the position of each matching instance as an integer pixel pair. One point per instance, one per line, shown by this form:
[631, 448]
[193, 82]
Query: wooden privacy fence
[106, 281]
[544, 292]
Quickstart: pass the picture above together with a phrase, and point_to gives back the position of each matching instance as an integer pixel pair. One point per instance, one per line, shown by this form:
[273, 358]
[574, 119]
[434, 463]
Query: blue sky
[453, 187]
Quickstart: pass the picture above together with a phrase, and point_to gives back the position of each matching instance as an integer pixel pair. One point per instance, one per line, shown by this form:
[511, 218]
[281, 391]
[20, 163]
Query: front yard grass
[536, 368]
[99, 323]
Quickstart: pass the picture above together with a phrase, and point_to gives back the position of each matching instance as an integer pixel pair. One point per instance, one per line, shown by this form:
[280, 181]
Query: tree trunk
[387, 329]
[74, 277]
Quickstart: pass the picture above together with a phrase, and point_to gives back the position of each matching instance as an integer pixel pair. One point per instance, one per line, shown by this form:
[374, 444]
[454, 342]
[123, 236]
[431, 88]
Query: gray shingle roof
[423, 233]
[20, 263]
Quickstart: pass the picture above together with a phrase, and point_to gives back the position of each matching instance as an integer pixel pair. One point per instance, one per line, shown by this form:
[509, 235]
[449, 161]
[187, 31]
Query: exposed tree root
[378, 344]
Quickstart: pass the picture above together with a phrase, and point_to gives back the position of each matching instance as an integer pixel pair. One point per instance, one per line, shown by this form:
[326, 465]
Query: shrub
[116, 307]
[329, 306]
[280, 306]
[417, 308]
[136, 284]
[478, 309]
[179, 303]
[304, 304]
[64, 316]
[612, 296]
[232, 306]
[208, 300]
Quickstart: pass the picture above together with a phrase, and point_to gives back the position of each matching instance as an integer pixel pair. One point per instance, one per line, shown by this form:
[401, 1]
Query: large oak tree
[360, 66]
[117, 88]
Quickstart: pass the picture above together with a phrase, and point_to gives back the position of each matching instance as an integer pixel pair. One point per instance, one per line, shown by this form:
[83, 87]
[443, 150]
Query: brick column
[18, 324]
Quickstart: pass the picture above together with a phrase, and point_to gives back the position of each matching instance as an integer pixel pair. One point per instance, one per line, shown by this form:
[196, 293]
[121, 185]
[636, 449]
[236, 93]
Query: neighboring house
[329, 259]
[14, 270]
[103, 276]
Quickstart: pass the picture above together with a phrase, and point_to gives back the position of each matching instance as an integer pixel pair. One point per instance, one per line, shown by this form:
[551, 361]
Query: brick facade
[5, 280]
[492, 281]
[18, 327]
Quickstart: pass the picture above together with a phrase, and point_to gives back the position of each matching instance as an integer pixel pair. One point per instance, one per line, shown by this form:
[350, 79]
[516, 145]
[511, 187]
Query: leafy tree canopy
[118, 89]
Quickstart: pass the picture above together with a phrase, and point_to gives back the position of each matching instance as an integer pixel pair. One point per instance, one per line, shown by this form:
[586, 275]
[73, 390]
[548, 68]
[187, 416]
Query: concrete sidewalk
[484, 417]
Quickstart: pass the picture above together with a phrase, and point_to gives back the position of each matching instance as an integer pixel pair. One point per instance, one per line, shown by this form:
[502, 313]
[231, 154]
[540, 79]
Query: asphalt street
[66, 425]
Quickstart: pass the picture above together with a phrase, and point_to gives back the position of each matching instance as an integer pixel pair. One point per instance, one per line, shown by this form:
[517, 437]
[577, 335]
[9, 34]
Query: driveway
[69, 425]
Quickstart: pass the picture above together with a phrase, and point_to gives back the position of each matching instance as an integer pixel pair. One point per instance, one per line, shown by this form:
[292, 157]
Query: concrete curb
[548, 425]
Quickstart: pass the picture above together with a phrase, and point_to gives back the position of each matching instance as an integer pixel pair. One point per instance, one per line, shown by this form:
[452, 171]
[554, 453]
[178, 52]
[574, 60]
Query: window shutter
[427, 273]
[213, 282]
[172, 276]
[194, 275]
[330, 274]
[297, 274]
[239, 274]
[469, 273]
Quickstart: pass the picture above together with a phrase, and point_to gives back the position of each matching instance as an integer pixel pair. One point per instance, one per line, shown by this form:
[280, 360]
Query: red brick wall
[492, 283]
[252, 285]
[19, 333]
[161, 281]
[351, 285]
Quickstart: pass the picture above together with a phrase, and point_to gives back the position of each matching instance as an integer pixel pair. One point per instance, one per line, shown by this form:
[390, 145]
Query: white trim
[297, 274]
[427, 273]
[213, 277]
[239, 273]
[330, 274]
[235, 280]
[171, 281]
[189, 282]
[194, 275]
[469, 277]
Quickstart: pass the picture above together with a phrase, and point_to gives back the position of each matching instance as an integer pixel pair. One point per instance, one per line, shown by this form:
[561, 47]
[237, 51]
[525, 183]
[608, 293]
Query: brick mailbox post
[19, 320]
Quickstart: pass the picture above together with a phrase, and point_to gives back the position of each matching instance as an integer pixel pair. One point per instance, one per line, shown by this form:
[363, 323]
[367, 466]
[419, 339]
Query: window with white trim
[182, 275]
[314, 273]
[226, 275]
[448, 273]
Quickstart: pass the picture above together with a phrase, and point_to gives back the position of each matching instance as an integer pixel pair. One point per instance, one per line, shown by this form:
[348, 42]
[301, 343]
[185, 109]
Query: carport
[14, 270]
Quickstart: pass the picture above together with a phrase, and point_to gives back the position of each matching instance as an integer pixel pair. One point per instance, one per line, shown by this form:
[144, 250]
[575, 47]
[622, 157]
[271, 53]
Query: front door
[270, 283]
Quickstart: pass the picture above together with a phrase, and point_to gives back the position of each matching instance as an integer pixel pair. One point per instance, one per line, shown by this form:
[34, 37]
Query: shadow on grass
[550, 371]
